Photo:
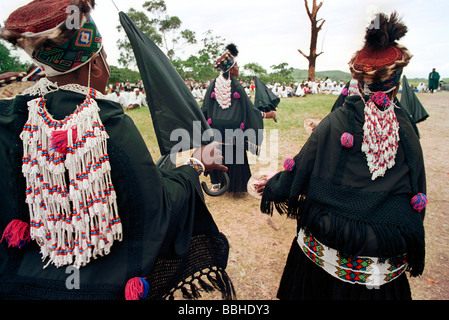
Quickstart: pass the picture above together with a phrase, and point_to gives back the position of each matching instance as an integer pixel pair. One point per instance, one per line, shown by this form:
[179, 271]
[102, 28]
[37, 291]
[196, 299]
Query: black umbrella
[265, 100]
[172, 105]
[411, 104]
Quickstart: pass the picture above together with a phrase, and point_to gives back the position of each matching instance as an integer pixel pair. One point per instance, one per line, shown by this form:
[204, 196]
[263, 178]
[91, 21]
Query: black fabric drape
[265, 100]
[411, 104]
[171, 103]
[240, 111]
[163, 214]
[331, 193]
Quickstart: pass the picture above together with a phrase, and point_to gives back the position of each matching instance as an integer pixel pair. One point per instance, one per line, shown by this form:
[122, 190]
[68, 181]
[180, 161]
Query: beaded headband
[60, 36]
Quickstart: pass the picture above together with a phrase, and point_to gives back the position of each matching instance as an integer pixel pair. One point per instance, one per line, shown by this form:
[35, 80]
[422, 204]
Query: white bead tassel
[380, 139]
[66, 218]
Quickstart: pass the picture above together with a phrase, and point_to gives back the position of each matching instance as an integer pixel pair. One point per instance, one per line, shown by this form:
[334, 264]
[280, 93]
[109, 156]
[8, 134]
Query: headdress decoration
[222, 90]
[52, 37]
[378, 65]
[227, 60]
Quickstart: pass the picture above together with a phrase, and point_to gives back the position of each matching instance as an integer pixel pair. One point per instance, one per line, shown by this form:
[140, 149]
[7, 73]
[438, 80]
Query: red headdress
[59, 35]
[378, 65]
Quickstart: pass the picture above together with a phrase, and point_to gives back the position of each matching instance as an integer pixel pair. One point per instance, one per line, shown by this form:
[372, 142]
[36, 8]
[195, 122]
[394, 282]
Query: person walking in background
[434, 80]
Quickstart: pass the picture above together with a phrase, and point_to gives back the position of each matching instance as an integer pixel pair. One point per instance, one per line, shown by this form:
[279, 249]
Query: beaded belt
[358, 270]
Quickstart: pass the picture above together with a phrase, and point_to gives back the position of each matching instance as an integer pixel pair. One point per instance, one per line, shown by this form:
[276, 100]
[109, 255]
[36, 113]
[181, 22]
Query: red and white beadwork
[75, 220]
[380, 138]
[368, 271]
[223, 92]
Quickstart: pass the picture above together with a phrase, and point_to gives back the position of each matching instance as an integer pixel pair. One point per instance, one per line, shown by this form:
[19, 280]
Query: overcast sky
[270, 32]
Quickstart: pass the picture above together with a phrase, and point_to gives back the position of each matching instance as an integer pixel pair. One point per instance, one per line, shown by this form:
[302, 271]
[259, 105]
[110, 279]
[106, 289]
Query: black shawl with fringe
[169, 235]
[332, 196]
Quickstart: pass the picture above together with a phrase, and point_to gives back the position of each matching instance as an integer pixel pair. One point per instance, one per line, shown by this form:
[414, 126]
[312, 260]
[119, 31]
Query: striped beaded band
[366, 271]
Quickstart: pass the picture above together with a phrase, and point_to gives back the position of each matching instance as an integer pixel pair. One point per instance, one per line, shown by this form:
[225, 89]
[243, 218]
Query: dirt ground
[260, 243]
[434, 283]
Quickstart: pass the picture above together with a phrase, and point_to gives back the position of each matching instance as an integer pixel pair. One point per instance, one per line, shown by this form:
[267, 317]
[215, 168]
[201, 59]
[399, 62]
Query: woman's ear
[97, 66]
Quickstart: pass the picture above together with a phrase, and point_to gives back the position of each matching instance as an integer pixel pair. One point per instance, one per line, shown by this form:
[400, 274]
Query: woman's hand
[210, 156]
[270, 115]
[260, 186]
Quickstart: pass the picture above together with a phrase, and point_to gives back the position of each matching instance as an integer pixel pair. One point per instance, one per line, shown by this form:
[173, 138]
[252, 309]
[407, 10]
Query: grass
[259, 244]
[291, 113]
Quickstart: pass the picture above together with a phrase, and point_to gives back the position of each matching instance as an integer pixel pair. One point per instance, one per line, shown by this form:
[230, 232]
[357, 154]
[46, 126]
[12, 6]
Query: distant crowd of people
[293, 89]
[129, 96]
[319, 86]
[132, 96]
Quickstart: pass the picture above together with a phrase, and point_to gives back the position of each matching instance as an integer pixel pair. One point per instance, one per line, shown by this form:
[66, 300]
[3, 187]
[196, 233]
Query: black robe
[168, 232]
[332, 196]
[228, 122]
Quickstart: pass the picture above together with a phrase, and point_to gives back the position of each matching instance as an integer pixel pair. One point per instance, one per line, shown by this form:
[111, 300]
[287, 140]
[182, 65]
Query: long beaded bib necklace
[73, 222]
[380, 134]
[223, 91]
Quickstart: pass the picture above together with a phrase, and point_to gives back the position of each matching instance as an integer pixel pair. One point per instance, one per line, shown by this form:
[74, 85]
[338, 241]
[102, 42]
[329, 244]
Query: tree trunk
[316, 25]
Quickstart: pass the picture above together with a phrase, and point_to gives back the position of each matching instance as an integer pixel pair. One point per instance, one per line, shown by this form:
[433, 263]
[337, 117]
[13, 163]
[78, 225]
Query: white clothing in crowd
[198, 93]
[137, 97]
[119, 97]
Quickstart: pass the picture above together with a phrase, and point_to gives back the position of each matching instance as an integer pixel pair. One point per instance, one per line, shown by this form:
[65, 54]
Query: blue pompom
[419, 202]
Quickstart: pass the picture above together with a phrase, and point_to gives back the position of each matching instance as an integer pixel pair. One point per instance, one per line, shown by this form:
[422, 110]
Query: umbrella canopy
[411, 104]
[170, 101]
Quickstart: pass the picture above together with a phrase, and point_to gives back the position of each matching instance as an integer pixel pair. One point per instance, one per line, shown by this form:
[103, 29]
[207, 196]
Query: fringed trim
[207, 281]
[349, 236]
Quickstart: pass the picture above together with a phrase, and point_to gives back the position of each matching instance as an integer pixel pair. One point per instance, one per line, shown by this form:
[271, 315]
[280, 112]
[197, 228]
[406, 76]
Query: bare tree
[316, 25]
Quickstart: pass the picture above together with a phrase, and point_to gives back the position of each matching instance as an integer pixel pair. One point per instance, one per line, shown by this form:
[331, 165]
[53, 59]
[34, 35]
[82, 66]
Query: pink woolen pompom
[347, 140]
[212, 95]
[289, 164]
[242, 126]
[381, 99]
[59, 141]
[419, 202]
[17, 233]
[344, 91]
[136, 288]
[236, 95]
[209, 121]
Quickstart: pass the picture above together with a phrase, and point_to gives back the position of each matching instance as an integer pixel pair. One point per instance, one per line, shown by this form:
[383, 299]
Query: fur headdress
[378, 65]
[51, 24]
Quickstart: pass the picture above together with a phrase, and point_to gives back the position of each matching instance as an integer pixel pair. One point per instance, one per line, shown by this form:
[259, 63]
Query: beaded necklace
[223, 91]
[73, 222]
[380, 134]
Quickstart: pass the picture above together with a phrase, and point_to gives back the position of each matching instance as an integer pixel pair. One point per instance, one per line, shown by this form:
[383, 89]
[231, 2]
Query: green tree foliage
[255, 69]
[9, 62]
[200, 67]
[122, 74]
[163, 29]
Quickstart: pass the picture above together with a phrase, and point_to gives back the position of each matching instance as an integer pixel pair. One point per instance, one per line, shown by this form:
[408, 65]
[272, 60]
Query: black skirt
[239, 171]
[304, 280]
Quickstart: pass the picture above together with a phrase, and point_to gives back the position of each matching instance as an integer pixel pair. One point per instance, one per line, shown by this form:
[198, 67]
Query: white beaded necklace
[79, 221]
